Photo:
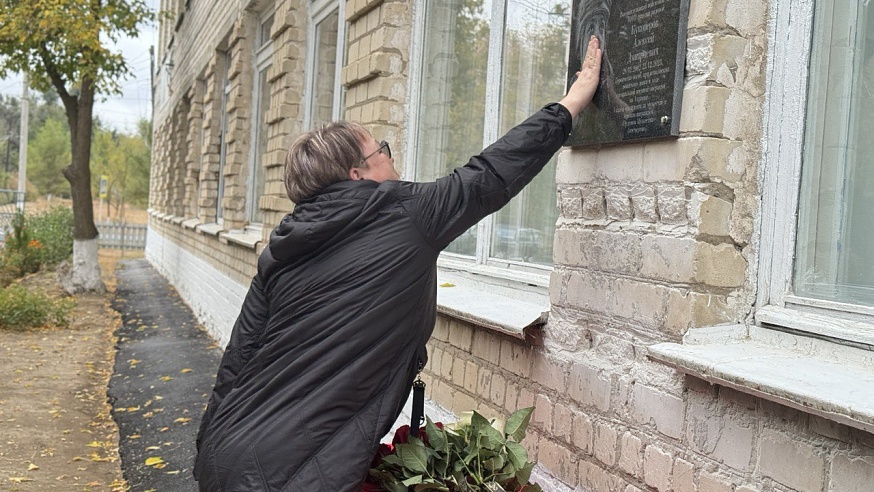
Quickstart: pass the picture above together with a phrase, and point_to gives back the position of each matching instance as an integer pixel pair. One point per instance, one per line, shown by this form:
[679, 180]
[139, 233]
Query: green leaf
[414, 457]
[395, 487]
[517, 423]
[478, 422]
[524, 473]
[493, 439]
[413, 480]
[494, 463]
[517, 454]
[431, 486]
[436, 436]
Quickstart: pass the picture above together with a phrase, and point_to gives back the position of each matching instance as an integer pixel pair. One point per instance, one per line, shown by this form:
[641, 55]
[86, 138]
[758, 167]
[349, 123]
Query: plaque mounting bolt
[666, 120]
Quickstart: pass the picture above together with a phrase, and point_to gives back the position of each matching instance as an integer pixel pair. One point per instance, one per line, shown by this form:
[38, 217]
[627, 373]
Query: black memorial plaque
[641, 87]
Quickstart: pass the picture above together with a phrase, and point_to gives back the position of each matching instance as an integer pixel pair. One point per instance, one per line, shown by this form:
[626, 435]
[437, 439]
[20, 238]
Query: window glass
[453, 93]
[535, 43]
[223, 154]
[452, 121]
[326, 69]
[834, 253]
[257, 182]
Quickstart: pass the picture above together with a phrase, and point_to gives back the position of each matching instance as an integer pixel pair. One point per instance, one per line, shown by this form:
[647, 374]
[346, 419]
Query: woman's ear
[354, 175]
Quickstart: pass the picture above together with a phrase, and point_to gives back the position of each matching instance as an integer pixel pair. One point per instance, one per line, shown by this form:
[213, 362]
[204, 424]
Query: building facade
[686, 314]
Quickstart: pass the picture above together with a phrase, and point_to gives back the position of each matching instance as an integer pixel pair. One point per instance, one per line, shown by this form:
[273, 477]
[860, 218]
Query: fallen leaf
[186, 370]
[182, 420]
[174, 472]
[153, 448]
[154, 460]
[166, 378]
[94, 444]
[20, 479]
[32, 467]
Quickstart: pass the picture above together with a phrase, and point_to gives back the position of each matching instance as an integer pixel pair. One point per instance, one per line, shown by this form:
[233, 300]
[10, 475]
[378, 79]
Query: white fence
[121, 236]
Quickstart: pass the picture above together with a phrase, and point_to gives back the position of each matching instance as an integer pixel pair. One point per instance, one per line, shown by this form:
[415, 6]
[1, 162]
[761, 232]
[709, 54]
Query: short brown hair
[321, 157]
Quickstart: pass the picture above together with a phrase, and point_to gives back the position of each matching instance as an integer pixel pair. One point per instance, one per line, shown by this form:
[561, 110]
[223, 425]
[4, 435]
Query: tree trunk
[85, 269]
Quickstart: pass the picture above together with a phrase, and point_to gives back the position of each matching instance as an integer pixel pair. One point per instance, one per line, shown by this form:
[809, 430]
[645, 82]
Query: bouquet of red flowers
[472, 455]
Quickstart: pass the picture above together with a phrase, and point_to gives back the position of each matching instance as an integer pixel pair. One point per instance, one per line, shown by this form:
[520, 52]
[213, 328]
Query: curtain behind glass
[534, 71]
[834, 254]
[452, 107]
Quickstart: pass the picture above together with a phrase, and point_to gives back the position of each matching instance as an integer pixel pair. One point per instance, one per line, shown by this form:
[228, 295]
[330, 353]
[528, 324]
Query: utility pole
[22, 149]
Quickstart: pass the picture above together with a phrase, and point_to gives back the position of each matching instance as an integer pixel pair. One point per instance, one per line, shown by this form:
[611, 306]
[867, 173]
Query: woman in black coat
[333, 329]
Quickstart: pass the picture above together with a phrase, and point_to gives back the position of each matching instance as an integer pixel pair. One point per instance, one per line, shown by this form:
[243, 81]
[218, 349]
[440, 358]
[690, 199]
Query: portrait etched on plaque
[644, 53]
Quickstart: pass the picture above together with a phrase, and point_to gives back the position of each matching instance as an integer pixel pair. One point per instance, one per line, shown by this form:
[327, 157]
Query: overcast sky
[120, 112]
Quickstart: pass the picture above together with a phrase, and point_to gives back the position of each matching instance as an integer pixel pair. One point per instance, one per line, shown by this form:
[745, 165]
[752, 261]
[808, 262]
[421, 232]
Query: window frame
[318, 11]
[262, 60]
[788, 81]
[481, 264]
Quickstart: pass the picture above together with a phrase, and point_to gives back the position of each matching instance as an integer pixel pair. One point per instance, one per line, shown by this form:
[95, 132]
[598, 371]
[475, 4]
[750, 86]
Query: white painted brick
[709, 482]
[643, 203]
[563, 422]
[642, 302]
[593, 477]
[630, 460]
[666, 412]
[667, 258]
[594, 203]
[657, 466]
[683, 476]
[791, 462]
[671, 199]
[621, 164]
[542, 416]
[618, 201]
[703, 109]
[576, 166]
[661, 162]
[588, 387]
[587, 291]
[605, 442]
[516, 358]
[487, 346]
[707, 13]
[719, 435]
[851, 473]
[558, 460]
[747, 16]
[571, 203]
[549, 371]
[583, 433]
[614, 251]
[720, 265]
[710, 214]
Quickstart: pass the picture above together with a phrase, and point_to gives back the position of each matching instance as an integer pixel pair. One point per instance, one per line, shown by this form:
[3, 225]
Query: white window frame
[319, 10]
[518, 273]
[262, 61]
[790, 42]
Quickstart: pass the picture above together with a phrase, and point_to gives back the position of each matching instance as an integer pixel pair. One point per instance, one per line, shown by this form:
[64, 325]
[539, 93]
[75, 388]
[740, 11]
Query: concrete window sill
[815, 376]
[241, 238]
[210, 229]
[484, 305]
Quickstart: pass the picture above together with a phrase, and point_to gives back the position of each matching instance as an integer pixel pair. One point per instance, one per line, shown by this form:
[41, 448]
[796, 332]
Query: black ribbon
[417, 416]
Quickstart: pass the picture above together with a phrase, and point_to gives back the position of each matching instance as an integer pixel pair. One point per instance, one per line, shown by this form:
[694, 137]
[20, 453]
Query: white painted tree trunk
[84, 276]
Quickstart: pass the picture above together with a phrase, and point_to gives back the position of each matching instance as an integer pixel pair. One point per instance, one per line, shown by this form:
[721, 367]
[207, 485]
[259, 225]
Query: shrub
[36, 240]
[21, 309]
[53, 230]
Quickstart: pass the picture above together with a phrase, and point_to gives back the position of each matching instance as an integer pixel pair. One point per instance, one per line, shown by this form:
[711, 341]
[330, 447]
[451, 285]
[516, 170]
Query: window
[820, 187]
[260, 105]
[223, 153]
[486, 65]
[326, 40]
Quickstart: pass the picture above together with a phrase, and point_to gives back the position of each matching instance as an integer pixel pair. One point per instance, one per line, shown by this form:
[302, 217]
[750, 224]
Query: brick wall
[653, 239]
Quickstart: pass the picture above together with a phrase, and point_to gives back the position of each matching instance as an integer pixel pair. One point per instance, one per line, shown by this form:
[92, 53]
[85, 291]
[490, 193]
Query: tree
[61, 44]
[47, 154]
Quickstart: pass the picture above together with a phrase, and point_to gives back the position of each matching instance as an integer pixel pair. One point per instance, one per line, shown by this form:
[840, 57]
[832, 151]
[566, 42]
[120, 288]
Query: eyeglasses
[383, 148]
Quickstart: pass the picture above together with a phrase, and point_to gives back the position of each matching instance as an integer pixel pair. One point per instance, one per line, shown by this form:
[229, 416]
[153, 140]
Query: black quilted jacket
[334, 326]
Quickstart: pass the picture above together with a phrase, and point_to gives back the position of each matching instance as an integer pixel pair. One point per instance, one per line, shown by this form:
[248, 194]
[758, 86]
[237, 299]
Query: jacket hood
[316, 221]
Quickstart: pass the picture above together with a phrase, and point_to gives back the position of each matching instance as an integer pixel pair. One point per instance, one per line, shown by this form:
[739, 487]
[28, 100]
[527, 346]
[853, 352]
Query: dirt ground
[56, 430]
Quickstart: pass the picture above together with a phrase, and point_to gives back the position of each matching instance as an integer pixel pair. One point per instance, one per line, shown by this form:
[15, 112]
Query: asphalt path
[164, 371]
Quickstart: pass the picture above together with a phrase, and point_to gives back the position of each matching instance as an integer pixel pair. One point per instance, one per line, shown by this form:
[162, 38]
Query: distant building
[708, 300]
